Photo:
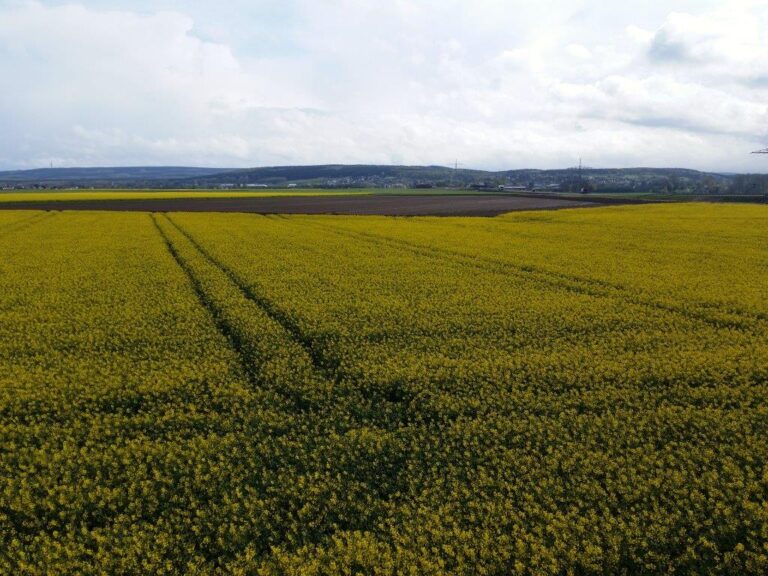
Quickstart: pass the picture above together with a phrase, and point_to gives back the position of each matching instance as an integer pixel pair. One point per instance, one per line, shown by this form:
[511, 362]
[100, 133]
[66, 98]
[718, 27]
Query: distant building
[292, 185]
[482, 186]
[256, 186]
[547, 187]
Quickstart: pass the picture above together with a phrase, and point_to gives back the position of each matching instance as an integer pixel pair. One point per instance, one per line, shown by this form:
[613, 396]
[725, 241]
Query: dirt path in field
[459, 205]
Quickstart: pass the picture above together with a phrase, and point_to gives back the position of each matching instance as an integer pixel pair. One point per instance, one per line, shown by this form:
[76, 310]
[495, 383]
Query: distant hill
[369, 176]
[341, 176]
[122, 174]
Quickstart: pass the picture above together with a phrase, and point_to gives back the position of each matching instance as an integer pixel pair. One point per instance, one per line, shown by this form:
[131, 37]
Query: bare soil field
[469, 205]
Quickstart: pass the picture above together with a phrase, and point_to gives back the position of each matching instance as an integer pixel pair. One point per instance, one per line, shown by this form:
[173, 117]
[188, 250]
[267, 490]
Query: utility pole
[581, 178]
[455, 172]
[763, 151]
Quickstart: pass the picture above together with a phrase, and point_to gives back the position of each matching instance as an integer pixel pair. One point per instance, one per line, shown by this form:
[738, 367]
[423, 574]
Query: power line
[456, 165]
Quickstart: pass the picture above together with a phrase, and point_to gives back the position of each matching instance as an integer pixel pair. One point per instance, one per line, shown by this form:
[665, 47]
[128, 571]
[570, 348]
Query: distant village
[586, 181]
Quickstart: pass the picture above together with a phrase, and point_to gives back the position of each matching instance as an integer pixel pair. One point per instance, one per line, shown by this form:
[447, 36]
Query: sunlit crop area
[565, 392]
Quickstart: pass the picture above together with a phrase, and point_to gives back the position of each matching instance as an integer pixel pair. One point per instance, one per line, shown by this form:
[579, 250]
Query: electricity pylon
[454, 172]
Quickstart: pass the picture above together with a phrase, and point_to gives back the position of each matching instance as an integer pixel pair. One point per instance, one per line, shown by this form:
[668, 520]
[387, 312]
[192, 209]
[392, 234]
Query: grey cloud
[663, 49]
[682, 124]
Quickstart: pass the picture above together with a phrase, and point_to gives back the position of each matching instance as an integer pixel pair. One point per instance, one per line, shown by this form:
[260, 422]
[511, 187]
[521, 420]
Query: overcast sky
[493, 84]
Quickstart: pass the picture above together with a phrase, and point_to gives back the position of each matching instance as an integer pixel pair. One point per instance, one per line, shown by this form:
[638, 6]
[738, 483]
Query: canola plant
[571, 392]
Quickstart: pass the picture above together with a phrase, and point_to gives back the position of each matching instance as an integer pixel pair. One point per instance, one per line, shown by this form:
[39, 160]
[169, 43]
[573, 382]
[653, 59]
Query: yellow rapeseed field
[564, 392]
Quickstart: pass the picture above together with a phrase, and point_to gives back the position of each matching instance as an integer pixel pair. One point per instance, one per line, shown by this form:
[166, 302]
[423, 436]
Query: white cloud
[498, 84]
[578, 51]
[724, 44]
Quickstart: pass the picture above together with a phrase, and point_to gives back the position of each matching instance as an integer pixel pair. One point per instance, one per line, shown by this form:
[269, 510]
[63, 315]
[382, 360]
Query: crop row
[675, 255]
[522, 402]
[237, 394]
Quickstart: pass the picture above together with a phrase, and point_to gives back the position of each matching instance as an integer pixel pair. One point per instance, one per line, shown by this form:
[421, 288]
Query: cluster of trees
[752, 184]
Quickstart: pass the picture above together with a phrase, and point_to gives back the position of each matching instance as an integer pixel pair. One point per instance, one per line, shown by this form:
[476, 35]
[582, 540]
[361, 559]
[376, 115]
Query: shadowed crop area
[353, 203]
[553, 392]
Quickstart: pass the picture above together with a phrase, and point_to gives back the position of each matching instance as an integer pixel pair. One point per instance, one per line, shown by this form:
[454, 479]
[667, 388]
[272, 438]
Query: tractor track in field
[560, 281]
[24, 223]
[326, 369]
[240, 348]
[222, 326]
